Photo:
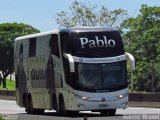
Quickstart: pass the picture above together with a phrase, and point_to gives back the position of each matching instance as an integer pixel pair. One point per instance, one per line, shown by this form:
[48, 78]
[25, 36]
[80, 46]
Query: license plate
[103, 105]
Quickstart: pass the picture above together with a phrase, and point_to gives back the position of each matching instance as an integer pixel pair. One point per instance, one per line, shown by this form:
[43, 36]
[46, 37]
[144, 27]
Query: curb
[135, 99]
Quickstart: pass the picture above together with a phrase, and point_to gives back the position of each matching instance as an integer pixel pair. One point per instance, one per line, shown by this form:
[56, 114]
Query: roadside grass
[1, 118]
[10, 85]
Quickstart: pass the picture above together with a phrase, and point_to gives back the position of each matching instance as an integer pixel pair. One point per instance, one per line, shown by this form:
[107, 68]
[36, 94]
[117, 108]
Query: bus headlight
[81, 97]
[84, 98]
[122, 95]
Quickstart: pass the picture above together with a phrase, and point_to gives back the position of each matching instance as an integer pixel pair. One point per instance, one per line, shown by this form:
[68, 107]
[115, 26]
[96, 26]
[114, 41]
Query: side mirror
[132, 60]
[71, 61]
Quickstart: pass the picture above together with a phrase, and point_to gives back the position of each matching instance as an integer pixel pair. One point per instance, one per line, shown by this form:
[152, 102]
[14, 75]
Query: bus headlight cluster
[122, 95]
[84, 97]
[81, 97]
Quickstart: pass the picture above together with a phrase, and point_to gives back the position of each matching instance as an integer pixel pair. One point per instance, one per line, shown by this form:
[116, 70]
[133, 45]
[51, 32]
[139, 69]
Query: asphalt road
[10, 107]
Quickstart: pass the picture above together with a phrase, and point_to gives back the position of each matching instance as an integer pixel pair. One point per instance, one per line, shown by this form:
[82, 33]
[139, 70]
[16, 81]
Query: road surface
[10, 107]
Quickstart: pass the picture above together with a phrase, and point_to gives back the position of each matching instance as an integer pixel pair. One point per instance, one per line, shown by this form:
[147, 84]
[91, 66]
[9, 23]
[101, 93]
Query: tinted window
[65, 42]
[32, 47]
[109, 76]
[53, 44]
[66, 48]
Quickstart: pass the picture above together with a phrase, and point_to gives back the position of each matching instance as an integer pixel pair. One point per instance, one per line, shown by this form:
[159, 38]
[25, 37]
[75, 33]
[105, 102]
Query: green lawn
[10, 85]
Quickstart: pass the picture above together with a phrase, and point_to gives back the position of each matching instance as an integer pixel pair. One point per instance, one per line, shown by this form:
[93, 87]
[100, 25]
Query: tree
[8, 33]
[86, 15]
[143, 41]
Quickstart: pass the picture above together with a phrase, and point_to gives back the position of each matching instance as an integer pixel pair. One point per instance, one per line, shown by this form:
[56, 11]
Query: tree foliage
[143, 41]
[142, 38]
[8, 33]
[87, 15]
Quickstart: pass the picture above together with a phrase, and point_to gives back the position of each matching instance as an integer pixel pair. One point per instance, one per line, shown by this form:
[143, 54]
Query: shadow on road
[79, 115]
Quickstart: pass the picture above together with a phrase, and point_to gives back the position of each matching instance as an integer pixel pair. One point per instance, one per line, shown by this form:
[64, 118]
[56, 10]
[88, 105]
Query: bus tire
[30, 109]
[29, 106]
[24, 100]
[39, 111]
[62, 109]
[54, 101]
[73, 113]
[109, 112]
[112, 112]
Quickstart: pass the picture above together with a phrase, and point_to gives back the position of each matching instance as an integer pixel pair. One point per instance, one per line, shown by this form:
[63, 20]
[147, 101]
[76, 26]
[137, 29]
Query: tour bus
[71, 70]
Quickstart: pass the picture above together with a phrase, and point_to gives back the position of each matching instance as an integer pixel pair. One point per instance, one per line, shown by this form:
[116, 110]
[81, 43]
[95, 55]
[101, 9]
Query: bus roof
[72, 29]
[87, 29]
[37, 35]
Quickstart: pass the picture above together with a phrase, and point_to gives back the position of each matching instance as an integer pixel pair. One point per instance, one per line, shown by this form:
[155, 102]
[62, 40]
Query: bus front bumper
[102, 103]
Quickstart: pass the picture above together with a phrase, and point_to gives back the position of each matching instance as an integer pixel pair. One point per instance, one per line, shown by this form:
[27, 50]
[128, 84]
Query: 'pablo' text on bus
[85, 42]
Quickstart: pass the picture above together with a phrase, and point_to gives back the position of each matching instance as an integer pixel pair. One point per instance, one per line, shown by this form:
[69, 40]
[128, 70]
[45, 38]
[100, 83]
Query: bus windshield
[106, 76]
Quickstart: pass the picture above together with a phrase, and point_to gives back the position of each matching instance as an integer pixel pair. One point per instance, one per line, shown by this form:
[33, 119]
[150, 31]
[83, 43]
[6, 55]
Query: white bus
[72, 70]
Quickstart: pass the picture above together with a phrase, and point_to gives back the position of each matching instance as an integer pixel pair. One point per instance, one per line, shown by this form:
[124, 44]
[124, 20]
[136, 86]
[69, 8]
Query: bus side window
[32, 47]
[66, 47]
[53, 43]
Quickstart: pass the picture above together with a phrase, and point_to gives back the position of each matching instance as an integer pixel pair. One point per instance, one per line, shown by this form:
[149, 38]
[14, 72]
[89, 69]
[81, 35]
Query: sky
[41, 13]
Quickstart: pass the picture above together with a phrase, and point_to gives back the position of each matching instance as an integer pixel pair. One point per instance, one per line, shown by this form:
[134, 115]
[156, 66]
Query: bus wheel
[109, 112]
[104, 112]
[39, 111]
[62, 109]
[54, 101]
[29, 106]
[112, 112]
[73, 113]
[30, 109]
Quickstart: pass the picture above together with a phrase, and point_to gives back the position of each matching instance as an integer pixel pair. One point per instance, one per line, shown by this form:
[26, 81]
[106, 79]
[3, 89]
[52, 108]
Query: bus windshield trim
[100, 60]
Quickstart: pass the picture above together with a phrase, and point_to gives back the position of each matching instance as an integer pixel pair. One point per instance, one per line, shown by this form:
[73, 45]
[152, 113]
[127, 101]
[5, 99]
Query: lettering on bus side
[41, 68]
[39, 74]
[37, 68]
[85, 42]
